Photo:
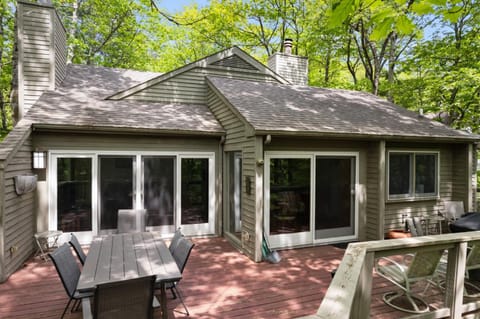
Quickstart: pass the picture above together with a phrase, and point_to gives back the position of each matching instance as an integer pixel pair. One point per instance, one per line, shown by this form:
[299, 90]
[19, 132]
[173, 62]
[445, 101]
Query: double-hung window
[412, 174]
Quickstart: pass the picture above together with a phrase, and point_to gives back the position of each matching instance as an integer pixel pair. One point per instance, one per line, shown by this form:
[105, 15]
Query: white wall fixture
[25, 183]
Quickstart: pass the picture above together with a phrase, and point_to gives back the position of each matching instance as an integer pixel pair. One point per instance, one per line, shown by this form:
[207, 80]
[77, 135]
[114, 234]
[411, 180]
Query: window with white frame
[412, 174]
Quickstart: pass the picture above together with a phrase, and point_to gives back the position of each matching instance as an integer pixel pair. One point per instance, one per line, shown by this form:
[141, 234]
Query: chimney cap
[287, 46]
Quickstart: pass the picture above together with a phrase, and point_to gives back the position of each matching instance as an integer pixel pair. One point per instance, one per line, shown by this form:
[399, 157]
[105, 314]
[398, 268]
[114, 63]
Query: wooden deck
[218, 282]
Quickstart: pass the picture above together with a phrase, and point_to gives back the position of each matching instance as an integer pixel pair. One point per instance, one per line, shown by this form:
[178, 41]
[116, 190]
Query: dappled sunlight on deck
[218, 282]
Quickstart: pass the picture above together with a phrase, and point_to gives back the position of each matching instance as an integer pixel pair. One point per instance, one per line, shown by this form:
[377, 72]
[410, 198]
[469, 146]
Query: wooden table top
[126, 256]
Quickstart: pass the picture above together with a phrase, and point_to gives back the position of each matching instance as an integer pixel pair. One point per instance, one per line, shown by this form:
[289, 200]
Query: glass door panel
[159, 190]
[334, 197]
[116, 188]
[194, 191]
[234, 195]
[289, 195]
[74, 194]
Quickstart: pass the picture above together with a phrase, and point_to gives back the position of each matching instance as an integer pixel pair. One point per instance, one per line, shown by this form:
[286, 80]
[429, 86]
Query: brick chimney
[293, 68]
[41, 53]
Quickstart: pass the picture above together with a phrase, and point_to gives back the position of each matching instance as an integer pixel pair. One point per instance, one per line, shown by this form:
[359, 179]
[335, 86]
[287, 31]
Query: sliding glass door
[117, 188]
[310, 197]
[176, 190]
[158, 191]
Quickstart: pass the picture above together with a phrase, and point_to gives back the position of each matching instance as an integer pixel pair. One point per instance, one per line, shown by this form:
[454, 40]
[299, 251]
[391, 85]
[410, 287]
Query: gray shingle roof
[271, 107]
[80, 102]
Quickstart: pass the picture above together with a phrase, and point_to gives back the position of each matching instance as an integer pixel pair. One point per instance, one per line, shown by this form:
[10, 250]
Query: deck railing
[349, 294]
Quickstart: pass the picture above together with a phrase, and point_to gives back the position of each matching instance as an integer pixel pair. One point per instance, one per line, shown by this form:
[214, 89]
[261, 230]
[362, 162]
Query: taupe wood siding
[291, 67]
[35, 43]
[375, 203]
[234, 127]
[249, 201]
[236, 140]
[190, 87]
[453, 186]
[60, 40]
[17, 211]
[460, 176]
[72, 141]
[42, 52]
[234, 61]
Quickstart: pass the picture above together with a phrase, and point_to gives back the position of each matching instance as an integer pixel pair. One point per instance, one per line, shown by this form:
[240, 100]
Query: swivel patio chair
[78, 249]
[131, 220]
[181, 254]
[472, 263]
[421, 267]
[69, 272]
[124, 299]
[415, 226]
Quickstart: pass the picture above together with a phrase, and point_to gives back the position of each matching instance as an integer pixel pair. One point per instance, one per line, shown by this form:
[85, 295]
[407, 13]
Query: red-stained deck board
[218, 282]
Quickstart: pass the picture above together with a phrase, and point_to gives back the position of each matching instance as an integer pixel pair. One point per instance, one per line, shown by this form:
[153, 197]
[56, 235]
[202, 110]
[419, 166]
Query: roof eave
[124, 130]
[363, 136]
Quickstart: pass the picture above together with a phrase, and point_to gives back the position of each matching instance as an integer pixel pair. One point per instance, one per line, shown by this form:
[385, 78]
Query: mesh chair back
[473, 257]
[78, 248]
[182, 252]
[131, 220]
[454, 210]
[67, 268]
[176, 238]
[424, 264]
[125, 299]
[418, 226]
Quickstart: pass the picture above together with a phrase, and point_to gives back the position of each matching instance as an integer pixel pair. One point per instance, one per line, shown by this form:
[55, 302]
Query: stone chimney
[293, 68]
[41, 53]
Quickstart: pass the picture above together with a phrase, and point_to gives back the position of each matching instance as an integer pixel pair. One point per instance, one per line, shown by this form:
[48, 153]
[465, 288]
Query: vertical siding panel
[41, 53]
[237, 139]
[60, 40]
[375, 191]
[17, 212]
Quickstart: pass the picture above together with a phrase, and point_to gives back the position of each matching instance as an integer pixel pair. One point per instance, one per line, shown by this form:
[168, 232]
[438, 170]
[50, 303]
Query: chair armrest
[391, 270]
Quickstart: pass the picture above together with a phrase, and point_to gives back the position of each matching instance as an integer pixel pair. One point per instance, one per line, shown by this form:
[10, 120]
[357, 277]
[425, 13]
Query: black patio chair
[181, 253]
[68, 270]
[125, 299]
[78, 248]
[175, 239]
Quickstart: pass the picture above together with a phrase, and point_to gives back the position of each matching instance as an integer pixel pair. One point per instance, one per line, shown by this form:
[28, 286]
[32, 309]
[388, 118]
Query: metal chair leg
[181, 299]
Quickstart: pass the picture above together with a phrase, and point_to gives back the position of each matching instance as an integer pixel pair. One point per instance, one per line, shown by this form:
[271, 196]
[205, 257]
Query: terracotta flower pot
[398, 233]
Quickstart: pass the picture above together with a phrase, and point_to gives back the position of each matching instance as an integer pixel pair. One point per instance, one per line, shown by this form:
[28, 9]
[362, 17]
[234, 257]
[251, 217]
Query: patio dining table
[127, 256]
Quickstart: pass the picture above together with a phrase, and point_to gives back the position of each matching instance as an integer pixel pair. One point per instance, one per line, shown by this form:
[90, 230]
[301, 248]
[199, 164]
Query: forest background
[423, 55]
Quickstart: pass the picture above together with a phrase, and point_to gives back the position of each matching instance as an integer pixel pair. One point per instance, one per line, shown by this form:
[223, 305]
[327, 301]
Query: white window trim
[412, 195]
[289, 240]
[95, 154]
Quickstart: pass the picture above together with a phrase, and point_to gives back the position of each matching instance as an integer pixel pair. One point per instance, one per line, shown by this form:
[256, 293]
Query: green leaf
[422, 8]
[405, 25]
[382, 30]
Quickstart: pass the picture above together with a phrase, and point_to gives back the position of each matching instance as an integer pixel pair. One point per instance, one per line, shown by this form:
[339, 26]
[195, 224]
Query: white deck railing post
[363, 293]
[455, 279]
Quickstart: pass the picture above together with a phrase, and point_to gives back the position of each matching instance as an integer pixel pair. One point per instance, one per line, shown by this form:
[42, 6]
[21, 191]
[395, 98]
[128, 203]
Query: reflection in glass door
[289, 195]
[116, 188]
[194, 191]
[159, 192]
[74, 194]
[233, 221]
[334, 196]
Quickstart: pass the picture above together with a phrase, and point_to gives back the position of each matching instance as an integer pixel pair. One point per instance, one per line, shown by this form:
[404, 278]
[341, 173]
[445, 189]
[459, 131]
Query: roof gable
[230, 59]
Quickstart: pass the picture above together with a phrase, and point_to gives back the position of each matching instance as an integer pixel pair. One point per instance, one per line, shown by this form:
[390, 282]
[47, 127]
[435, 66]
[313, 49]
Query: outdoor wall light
[39, 160]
